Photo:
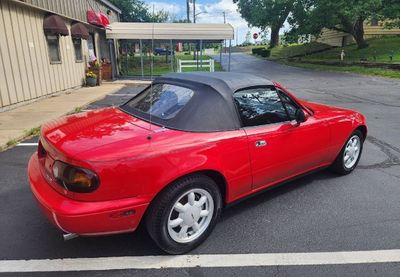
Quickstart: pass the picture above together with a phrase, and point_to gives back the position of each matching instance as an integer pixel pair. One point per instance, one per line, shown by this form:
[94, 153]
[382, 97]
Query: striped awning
[55, 25]
[78, 30]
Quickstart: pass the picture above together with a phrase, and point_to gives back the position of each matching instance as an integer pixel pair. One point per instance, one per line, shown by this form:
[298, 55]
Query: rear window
[160, 100]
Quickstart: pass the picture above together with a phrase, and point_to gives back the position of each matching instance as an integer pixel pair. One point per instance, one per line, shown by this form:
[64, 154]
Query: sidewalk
[15, 124]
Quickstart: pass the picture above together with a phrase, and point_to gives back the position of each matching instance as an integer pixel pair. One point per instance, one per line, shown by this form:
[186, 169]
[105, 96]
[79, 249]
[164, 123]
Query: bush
[257, 50]
[265, 53]
[262, 51]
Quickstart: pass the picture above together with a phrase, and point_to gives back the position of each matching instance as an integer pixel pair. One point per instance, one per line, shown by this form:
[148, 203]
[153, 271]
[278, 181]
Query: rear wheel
[184, 214]
[350, 154]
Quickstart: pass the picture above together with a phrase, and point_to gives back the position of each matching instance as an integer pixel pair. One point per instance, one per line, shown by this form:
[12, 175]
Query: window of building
[374, 22]
[78, 49]
[260, 106]
[53, 44]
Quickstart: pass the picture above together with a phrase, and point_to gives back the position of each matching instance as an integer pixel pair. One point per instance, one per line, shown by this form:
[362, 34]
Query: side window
[260, 106]
[290, 106]
[77, 49]
[54, 48]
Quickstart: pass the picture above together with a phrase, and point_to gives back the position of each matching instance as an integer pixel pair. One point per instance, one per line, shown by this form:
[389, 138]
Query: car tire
[184, 214]
[342, 165]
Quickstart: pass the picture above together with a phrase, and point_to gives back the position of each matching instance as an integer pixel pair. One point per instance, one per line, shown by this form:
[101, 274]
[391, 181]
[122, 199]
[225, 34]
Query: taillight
[75, 179]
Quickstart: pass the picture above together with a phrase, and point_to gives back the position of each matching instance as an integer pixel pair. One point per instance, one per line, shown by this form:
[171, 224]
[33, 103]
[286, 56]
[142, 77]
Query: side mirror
[300, 116]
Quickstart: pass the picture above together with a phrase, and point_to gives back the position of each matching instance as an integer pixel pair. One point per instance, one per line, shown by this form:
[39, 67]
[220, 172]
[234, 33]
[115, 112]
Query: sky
[211, 12]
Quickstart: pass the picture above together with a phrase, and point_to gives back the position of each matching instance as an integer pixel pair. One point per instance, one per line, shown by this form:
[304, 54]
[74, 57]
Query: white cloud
[171, 8]
[211, 13]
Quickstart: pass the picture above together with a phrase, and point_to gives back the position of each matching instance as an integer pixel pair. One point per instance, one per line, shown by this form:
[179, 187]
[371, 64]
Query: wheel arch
[363, 130]
[215, 175]
[219, 179]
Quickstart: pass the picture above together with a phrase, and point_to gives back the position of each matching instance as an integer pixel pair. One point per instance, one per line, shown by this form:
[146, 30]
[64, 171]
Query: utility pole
[194, 21]
[188, 11]
[188, 21]
[194, 11]
[224, 23]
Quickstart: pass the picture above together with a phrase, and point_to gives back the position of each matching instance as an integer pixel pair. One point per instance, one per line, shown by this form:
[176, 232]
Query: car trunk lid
[79, 133]
[69, 138]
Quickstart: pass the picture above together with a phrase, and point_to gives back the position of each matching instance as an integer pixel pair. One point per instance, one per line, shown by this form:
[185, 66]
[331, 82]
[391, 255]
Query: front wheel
[184, 214]
[350, 154]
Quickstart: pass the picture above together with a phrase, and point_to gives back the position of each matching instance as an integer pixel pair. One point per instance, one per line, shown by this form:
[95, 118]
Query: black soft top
[222, 82]
[212, 107]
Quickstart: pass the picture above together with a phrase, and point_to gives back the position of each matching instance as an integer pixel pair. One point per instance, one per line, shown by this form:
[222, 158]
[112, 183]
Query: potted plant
[95, 67]
[91, 79]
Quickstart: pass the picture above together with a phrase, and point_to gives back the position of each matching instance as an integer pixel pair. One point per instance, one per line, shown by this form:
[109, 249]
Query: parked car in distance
[179, 151]
[163, 51]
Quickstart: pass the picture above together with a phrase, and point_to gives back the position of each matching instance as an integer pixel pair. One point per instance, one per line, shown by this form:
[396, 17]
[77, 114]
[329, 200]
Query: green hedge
[263, 52]
[257, 50]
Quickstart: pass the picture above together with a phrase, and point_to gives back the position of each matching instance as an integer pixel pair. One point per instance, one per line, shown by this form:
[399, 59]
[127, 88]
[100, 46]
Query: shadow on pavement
[49, 244]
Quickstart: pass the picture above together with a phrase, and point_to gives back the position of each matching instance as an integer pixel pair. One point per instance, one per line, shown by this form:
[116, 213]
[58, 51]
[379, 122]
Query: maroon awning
[55, 25]
[78, 30]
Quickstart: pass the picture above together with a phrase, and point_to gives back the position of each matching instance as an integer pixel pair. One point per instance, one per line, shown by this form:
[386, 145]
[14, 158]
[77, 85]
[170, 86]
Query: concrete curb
[16, 123]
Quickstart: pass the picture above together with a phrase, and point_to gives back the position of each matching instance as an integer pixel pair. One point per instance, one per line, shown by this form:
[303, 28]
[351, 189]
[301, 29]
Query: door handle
[261, 143]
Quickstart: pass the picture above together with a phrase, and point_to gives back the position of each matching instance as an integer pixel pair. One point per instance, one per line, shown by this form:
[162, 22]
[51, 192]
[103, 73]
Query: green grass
[131, 66]
[388, 73]
[284, 52]
[12, 142]
[28, 133]
[75, 110]
[249, 47]
[32, 132]
[381, 48]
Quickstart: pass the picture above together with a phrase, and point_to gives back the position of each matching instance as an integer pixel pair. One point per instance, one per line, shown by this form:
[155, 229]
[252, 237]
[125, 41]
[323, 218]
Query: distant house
[45, 46]
[371, 29]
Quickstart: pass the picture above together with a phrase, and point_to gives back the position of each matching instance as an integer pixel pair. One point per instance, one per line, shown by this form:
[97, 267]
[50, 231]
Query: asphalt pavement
[321, 212]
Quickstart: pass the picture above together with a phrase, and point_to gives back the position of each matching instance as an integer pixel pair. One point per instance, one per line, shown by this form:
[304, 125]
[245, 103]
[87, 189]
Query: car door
[279, 147]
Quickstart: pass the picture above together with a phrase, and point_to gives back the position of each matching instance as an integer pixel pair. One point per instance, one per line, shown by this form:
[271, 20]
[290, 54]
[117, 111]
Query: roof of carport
[167, 31]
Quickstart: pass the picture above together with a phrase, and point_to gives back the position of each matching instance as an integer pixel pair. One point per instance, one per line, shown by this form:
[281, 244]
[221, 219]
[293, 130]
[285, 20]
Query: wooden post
[141, 57]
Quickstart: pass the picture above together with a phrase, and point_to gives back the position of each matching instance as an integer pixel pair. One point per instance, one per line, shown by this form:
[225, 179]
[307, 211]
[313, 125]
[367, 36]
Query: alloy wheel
[190, 216]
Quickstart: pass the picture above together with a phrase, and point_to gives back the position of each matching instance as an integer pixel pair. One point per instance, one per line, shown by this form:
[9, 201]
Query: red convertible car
[179, 151]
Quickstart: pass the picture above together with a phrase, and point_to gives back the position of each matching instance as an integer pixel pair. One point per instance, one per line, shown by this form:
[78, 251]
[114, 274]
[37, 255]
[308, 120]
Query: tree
[266, 13]
[349, 16]
[138, 11]
[391, 11]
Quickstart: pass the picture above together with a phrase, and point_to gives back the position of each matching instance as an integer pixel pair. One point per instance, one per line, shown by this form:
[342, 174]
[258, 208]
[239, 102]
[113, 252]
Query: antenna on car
[151, 72]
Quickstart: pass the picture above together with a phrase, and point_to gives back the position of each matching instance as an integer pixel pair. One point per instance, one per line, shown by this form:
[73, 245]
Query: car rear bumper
[84, 218]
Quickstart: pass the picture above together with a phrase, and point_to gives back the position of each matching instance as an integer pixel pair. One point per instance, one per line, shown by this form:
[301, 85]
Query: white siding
[74, 8]
[25, 69]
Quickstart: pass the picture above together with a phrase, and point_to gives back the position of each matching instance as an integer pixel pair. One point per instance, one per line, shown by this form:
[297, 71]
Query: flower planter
[97, 71]
[106, 72]
[91, 82]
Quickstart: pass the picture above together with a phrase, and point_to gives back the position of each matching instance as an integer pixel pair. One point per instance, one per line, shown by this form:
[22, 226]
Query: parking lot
[321, 212]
